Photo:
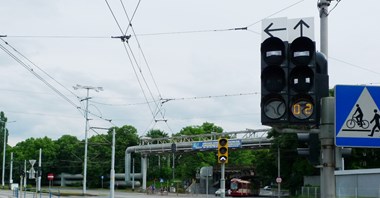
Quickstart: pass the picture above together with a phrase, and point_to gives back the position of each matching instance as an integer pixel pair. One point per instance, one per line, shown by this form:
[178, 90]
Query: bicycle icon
[351, 123]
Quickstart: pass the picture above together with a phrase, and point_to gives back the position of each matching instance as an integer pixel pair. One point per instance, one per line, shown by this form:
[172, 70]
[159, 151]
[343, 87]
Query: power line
[133, 15]
[30, 69]
[353, 65]
[164, 100]
[26, 66]
[276, 13]
[58, 36]
[134, 62]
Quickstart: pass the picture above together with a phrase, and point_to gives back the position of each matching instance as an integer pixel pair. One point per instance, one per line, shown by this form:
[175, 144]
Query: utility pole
[4, 149]
[39, 172]
[88, 88]
[323, 6]
[112, 182]
[11, 171]
[326, 134]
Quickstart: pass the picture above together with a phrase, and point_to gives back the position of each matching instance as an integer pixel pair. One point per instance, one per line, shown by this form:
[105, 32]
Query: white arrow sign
[287, 29]
[300, 27]
[274, 27]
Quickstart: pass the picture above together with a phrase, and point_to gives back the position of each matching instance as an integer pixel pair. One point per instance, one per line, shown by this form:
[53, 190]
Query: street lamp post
[97, 89]
[4, 140]
[4, 151]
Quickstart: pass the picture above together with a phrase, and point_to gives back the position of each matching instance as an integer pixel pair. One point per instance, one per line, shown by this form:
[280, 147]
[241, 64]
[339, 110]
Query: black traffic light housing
[274, 89]
[311, 147]
[223, 150]
[293, 80]
[308, 82]
[302, 70]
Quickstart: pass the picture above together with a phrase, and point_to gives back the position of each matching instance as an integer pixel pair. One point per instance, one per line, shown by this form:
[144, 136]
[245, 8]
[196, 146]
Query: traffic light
[308, 82]
[312, 150]
[173, 147]
[293, 80]
[222, 150]
[274, 81]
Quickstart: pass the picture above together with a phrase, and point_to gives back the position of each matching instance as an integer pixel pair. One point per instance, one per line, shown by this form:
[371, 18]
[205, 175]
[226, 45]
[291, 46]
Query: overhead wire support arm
[3, 35]
[241, 28]
[123, 38]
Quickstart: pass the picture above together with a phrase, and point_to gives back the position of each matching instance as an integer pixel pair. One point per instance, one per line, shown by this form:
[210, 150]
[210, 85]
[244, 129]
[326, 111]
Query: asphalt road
[76, 193]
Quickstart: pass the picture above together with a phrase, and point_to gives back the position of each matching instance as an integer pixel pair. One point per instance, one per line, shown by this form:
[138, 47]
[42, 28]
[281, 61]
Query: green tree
[99, 159]
[126, 136]
[70, 155]
[3, 130]
[186, 166]
[29, 149]
[158, 160]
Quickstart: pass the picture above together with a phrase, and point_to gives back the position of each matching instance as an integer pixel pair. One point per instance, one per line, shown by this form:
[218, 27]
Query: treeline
[65, 155]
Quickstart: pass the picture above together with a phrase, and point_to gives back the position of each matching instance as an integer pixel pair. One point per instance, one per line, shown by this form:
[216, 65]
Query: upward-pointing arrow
[301, 23]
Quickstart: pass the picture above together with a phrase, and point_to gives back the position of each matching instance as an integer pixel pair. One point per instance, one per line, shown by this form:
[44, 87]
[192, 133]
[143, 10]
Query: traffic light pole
[222, 181]
[327, 117]
[326, 136]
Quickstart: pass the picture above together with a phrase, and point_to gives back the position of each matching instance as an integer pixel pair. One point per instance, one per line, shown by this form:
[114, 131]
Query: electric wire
[337, 2]
[39, 68]
[114, 17]
[132, 59]
[190, 31]
[133, 15]
[58, 36]
[163, 33]
[353, 65]
[138, 79]
[27, 67]
[158, 109]
[296, 3]
[164, 100]
[81, 110]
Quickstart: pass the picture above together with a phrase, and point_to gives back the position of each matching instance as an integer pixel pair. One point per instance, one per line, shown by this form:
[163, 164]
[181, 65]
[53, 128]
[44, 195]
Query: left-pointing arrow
[268, 30]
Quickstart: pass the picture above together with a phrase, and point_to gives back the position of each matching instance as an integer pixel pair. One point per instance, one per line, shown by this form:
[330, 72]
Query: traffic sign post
[50, 178]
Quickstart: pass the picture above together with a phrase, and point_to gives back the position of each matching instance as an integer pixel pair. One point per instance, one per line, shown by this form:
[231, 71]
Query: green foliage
[3, 129]
[66, 155]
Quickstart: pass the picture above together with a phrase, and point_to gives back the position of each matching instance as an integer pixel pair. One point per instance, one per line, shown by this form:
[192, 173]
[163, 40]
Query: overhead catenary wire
[158, 109]
[26, 66]
[292, 5]
[133, 15]
[52, 87]
[39, 68]
[134, 62]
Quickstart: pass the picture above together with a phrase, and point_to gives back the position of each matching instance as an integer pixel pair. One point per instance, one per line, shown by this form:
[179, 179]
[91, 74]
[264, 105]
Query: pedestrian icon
[375, 118]
[357, 116]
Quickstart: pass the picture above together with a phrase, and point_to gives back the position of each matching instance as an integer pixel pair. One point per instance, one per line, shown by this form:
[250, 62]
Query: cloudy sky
[184, 58]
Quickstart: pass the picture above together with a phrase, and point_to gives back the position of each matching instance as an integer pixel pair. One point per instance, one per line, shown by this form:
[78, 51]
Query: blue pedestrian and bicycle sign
[357, 116]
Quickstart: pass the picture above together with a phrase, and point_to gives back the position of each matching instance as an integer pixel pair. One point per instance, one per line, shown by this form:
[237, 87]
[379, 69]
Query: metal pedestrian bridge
[248, 139]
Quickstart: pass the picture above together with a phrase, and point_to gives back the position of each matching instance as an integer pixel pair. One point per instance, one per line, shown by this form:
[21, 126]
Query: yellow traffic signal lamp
[222, 150]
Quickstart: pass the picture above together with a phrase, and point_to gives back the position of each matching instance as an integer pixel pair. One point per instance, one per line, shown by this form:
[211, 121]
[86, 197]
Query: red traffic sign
[278, 180]
[50, 176]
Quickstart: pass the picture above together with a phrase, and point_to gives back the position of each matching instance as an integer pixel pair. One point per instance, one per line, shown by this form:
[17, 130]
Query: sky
[184, 58]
